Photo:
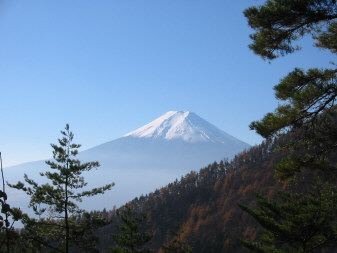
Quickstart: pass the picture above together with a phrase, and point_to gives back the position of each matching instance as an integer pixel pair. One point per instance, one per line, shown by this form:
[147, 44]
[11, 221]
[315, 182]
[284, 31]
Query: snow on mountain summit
[183, 125]
[158, 153]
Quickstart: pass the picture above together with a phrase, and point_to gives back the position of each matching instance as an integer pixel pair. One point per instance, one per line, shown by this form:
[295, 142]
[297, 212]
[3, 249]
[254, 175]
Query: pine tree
[297, 222]
[308, 98]
[279, 23]
[177, 244]
[8, 215]
[59, 198]
[130, 239]
[308, 114]
[83, 234]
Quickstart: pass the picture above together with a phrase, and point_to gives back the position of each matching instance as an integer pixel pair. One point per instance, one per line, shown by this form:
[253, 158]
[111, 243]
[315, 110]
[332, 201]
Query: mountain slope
[178, 140]
[148, 158]
[204, 203]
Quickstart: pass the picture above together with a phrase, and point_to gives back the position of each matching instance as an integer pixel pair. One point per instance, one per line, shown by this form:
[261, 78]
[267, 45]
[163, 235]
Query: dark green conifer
[308, 98]
[279, 23]
[8, 215]
[297, 222]
[130, 239]
[58, 199]
[301, 220]
[177, 244]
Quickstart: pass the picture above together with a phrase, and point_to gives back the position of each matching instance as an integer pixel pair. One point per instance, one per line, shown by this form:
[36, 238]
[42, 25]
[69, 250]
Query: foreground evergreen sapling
[130, 239]
[56, 202]
[177, 244]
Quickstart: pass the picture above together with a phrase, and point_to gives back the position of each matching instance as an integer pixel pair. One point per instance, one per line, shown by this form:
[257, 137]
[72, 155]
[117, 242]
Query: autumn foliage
[204, 203]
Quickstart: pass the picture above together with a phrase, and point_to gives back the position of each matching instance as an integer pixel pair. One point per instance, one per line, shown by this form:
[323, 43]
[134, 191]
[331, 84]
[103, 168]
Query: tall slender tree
[60, 196]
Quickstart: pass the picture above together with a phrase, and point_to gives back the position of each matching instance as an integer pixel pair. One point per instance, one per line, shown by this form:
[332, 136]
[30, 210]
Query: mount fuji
[182, 125]
[145, 159]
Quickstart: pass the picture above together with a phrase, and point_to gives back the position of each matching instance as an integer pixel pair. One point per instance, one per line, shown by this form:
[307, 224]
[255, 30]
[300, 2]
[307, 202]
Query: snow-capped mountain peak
[182, 125]
[158, 153]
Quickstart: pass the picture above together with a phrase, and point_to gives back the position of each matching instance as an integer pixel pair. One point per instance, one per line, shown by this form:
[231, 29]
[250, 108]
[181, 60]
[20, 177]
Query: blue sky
[109, 67]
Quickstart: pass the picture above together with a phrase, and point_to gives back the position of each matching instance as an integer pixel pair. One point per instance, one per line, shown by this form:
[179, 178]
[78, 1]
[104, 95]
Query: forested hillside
[278, 197]
[205, 202]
